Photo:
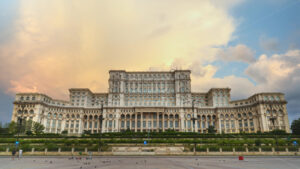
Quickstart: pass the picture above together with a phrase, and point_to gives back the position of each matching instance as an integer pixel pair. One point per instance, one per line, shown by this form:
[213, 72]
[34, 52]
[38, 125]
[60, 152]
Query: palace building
[153, 101]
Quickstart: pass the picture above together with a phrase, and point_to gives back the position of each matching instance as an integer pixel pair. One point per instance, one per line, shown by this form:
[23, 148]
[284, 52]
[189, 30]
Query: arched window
[244, 115]
[250, 114]
[26, 111]
[90, 117]
[49, 115]
[60, 116]
[54, 115]
[226, 116]
[19, 112]
[232, 116]
[239, 115]
[122, 116]
[73, 116]
[222, 116]
[68, 116]
[31, 112]
[78, 116]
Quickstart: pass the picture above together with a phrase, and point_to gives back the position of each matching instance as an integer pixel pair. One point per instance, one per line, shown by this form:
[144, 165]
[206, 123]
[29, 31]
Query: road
[151, 162]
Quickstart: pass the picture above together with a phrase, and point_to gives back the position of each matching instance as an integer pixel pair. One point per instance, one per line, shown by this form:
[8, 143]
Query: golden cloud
[63, 44]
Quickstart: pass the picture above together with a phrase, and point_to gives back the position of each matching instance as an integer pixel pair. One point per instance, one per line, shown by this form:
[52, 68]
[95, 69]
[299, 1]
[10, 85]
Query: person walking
[13, 153]
[20, 153]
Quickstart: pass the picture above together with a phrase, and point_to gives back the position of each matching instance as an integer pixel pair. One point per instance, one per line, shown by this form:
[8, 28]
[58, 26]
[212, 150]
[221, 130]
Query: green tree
[211, 129]
[12, 127]
[38, 128]
[64, 132]
[296, 126]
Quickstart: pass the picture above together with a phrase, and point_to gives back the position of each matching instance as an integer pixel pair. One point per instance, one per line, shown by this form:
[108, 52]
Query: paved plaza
[150, 162]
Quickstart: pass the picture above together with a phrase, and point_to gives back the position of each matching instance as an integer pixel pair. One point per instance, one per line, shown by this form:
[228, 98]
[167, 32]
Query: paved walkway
[151, 163]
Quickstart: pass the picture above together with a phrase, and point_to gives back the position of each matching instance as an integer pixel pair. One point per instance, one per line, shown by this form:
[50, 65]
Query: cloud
[239, 52]
[269, 44]
[62, 44]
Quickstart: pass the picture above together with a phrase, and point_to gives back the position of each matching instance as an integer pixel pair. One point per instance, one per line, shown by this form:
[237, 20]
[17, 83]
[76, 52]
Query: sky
[50, 46]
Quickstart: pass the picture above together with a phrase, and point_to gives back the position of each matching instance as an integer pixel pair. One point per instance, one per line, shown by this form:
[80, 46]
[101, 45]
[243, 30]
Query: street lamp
[19, 123]
[100, 125]
[193, 116]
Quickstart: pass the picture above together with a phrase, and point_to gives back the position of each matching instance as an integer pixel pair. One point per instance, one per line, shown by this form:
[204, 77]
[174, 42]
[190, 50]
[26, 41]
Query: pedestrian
[13, 153]
[20, 153]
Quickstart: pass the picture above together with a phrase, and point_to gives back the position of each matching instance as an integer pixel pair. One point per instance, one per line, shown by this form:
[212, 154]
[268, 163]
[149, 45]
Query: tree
[12, 127]
[211, 129]
[64, 132]
[296, 126]
[38, 128]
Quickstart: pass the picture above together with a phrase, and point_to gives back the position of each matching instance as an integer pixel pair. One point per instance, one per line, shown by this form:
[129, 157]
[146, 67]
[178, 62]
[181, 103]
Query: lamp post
[100, 125]
[194, 126]
[272, 119]
[193, 116]
[19, 123]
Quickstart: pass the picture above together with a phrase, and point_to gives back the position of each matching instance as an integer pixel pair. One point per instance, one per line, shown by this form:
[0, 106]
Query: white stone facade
[153, 101]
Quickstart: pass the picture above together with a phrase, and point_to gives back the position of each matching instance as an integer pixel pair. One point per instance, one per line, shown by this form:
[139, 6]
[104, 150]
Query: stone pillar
[32, 150]
[259, 149]
[85, 149]
[220, 150]
[46, 150]
[135, 121]
[7, 149]
[163, 121]
[59, 149]
[207, 150]
[142, 121]
[73, 149]
[233, 149]
[247, 150]
[273, 149]
[287, 149]
[157, 121]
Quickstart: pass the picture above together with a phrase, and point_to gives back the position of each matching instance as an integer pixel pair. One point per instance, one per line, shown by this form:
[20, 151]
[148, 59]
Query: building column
[163, 121]
[135, 121]
[142, 121]
[157, 121]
